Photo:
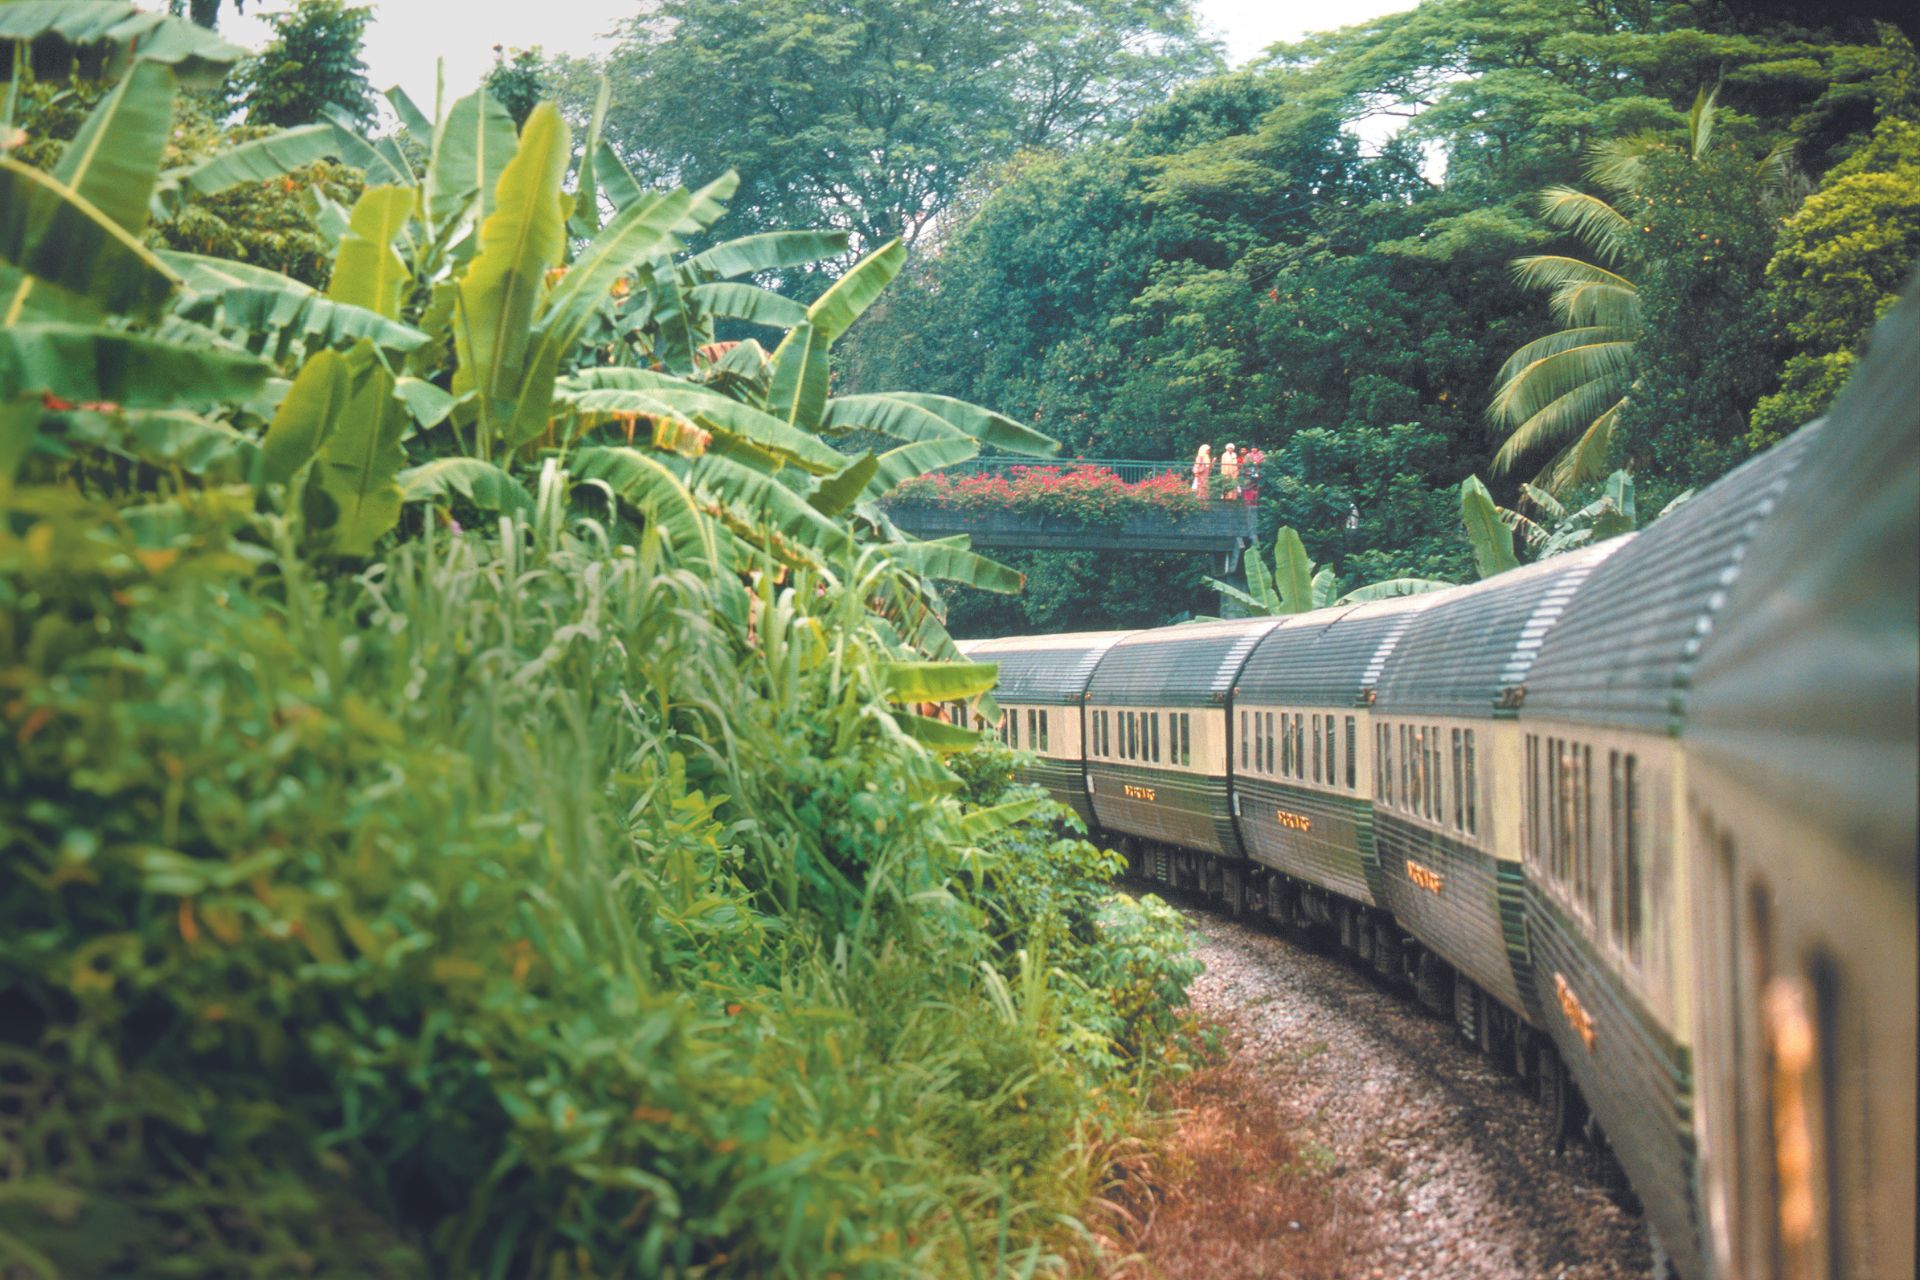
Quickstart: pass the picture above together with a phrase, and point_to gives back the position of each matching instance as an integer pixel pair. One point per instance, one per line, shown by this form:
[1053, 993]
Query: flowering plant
[1082, 491]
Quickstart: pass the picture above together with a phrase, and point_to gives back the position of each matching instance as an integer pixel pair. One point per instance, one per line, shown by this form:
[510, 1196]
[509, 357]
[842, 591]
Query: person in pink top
[1250, 473]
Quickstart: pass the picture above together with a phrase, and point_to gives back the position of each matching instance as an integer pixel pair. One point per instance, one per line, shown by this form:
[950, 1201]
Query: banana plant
[1296, 585]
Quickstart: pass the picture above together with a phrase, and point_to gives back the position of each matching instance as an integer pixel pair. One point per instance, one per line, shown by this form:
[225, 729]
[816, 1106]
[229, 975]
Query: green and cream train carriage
[1641, 817]
[1602, 826]
[1042, 691]
[1304, 768]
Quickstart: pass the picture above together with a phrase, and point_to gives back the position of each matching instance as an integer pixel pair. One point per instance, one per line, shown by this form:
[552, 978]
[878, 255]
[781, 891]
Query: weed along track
[1366, 1142]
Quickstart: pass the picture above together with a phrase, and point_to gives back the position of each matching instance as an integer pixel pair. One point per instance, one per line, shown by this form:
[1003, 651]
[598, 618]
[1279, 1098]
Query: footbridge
[1080, 505]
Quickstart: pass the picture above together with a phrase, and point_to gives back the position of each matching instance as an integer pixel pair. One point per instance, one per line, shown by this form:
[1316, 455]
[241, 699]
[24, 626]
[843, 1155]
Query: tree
[1841, 263]
[312, 63]
[871, 116]
[518, 82]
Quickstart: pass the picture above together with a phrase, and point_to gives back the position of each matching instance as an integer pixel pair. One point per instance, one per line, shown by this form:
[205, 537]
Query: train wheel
[1433, 983]
[1560, 1098]
[1469, 1014]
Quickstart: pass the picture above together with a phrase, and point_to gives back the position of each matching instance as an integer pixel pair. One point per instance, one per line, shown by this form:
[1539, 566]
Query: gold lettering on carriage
[1424, 877]
[1293, 821]
[1137, 793]
[1576, 1013]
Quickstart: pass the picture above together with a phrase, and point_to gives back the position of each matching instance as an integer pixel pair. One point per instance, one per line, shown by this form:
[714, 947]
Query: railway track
[1450, 1161]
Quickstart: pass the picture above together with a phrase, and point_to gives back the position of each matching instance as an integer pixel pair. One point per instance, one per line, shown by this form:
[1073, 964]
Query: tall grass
[507, 908]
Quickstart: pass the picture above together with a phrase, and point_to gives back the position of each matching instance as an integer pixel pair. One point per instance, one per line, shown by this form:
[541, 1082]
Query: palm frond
[1586, 458]
[1570, 417]
[1599, 303]
[1700, 122]
[1591, 219]
[1548, 367]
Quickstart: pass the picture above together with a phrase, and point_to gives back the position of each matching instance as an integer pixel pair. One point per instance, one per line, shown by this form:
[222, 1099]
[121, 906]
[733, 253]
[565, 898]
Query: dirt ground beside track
[1347, 1135]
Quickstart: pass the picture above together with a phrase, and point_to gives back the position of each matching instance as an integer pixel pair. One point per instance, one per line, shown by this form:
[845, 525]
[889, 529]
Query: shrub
[1086, 492]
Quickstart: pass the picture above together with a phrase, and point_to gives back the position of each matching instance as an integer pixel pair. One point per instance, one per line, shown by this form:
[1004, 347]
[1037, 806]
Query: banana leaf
[767, 251]
[1492, 541]
[939, 681]
[79, 363]
[834, 311]
[482, 483]
[53, 234]
[259, 160]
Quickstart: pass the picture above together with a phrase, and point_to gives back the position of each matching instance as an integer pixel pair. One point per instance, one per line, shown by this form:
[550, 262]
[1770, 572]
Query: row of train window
[1307, 748]
[1410, 773]
[1135, 735]
[1039, 736]
[1586, 834]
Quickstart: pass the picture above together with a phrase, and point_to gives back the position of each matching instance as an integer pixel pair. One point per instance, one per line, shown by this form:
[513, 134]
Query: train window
[1186, 737]
[1153, 734]
[1316, 748]
[1266, 735]
[1531, 844]
[1551, 764]
[1472, 790]
[1286, 755]
[1243, 740]
[1299, 744]
[1353, 758]
[1333, 770]
[1033, 728]
[1046, 738]
[1133, 735]
[1417, 757]
[1625, 913]
[1439, 775]
[1459, 783]
[1589, 886]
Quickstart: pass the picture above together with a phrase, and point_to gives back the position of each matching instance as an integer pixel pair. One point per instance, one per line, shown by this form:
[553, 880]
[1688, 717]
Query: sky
[408, 35]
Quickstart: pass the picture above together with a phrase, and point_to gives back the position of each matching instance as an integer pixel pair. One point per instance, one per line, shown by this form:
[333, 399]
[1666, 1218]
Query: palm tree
[1564, 391]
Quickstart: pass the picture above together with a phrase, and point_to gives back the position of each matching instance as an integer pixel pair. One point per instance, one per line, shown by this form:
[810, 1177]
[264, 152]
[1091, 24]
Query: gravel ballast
[1448, 1159]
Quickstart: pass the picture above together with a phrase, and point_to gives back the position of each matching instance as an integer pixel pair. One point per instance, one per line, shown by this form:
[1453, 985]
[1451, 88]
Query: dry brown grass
[1230, 1192]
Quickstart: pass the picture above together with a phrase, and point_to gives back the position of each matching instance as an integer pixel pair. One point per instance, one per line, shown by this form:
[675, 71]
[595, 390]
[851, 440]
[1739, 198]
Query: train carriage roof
[1043, 669]
[1809, 685]
[1469, 653]
[1625, 649]
[1330, 657]
[1193, 664]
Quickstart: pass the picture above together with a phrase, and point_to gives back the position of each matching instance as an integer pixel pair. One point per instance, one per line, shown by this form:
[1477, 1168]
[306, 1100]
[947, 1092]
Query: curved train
[1640, 819]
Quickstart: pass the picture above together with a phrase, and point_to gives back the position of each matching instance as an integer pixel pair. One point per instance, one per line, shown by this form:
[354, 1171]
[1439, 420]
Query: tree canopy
[1260, 258]
[872, 116]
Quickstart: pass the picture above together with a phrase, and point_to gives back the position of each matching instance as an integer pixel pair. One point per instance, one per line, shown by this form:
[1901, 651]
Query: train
[1639, 819]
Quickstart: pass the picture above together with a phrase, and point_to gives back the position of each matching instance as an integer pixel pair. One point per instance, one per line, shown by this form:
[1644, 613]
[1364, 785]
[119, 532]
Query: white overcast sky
[408, 35]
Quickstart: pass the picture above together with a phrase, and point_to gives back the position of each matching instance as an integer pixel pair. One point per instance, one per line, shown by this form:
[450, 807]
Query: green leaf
[981, 823]
[307, 414]
[500, 292]
[104, 36]
[482, 483]
[950, 561]
[835, 493]
[1492, 540]
[1620, 515]
[767, 251]
[1260, 584]
[360, 154]
[834, 311]
[1389, 588]
[78, 363]
[1292, 572]
[764, 502]
[749, 302]
[428, 404]
[367, 272]
[259, 160]
[912, 415]
[661, 498]
[939, 681]
[911, 460]
[611, 172]
[637, 233]
[471, 150]
[799, 392]
[114, 159]
[411, 117]
[937, 735]
[1323, 584]
[586, 206]
[360, 460]
[286, 316]
[171, 438]
[55, 235]
[1255, 607]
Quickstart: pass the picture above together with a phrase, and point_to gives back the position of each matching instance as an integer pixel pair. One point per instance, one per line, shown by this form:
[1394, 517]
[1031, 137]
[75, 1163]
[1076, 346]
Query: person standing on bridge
[1230, 473]
[1250, 474]
[1202, 470]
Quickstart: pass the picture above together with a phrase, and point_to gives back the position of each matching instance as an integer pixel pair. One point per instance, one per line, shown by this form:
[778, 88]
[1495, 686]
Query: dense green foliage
[312, 63]
[1242, 266]
[871, 116]
[466, 809]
